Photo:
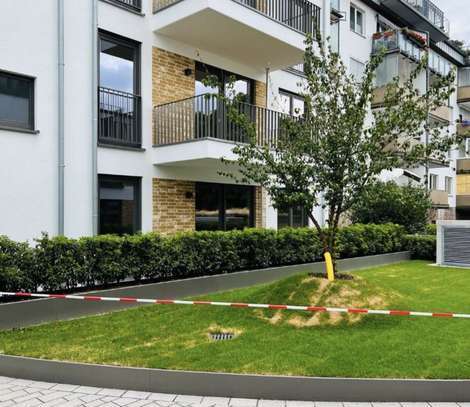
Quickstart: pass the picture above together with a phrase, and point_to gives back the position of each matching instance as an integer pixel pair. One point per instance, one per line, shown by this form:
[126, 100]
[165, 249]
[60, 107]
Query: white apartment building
[105, 126]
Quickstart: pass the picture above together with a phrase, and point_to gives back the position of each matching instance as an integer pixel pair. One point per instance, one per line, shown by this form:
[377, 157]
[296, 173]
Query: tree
[387, 202]
[338, 147]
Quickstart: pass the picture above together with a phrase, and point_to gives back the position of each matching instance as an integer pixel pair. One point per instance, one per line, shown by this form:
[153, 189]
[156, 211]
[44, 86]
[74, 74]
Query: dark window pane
[238, 207]
[298, 217]
[119, 205]
[16, 101]
[295, 217]
[352, 16]
[117, 66]
[208, 206]
[283, 218]
[223, 207]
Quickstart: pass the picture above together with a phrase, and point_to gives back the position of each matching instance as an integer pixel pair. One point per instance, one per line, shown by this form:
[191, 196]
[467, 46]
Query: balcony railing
[439, 64]
[433, 13]
[300, 15]
[135, 5]
[397, 40]
[207, 116]
[464, 77]
[119, 118]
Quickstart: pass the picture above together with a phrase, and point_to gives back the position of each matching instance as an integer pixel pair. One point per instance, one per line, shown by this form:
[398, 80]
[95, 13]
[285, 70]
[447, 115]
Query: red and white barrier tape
[240, 305]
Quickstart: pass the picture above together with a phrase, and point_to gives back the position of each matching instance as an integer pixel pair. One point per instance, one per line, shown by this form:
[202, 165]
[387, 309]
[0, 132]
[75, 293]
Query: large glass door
[224, 207]
[119, 90]
[211, 111]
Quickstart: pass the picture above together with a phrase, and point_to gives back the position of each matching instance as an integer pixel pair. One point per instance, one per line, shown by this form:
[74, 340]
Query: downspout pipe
[94, 115]
[61, 116]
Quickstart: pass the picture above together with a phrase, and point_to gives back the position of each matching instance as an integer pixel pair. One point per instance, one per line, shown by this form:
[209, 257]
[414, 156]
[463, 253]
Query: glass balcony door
[119, 91]
[213, 82]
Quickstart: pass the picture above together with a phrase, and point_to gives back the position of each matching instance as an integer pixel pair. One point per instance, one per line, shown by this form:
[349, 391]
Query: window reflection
[224, 207]
[292, 104]
[207, 207]
[119, 205]
[117, 65]
[238, 206]
[294, 217]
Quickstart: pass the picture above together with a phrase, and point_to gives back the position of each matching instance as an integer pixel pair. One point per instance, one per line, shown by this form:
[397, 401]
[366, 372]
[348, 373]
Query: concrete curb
[236, 385]
[34, 312]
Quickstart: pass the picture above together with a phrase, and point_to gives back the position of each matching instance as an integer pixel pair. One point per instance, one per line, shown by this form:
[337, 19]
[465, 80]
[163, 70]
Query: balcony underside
[206, 153]
[415, 19]
[232, 30]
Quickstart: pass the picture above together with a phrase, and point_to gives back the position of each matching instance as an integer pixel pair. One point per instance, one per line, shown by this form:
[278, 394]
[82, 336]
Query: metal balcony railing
[433, 13]
[207, 116]
[300, 15]
[119, 118]
[135, 5]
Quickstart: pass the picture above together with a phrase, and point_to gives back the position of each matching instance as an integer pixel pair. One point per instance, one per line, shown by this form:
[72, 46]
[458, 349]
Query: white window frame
[433, 182]
[449, 181]
[351, 16]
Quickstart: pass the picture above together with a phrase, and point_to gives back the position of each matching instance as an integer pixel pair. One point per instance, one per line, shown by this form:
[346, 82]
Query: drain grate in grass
[224, 336]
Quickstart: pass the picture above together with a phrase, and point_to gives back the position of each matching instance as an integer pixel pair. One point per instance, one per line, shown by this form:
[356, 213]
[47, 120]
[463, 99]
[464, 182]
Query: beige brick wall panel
[260, 207]
[170, 84]
[173, 210]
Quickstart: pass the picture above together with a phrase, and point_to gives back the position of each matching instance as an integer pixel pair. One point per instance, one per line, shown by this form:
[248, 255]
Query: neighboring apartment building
[104, 126]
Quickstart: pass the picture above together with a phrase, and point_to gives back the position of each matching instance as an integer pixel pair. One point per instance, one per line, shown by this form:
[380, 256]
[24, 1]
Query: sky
[458, 12]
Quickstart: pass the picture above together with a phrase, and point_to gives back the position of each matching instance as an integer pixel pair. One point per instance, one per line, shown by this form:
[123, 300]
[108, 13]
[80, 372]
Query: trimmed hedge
[61, 263]
[422, 247]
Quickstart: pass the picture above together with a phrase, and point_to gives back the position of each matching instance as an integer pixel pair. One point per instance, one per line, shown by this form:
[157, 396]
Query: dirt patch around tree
[346, 293]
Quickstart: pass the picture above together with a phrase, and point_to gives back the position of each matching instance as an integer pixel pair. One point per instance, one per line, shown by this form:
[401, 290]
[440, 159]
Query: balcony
[463, 183]
[463, 92]
[463, 129]
[398, 41]
[133, 5]
[439, 199]
[442, 114]
[422, 15]
[255, 33]
[463, 166]
[412, 45]
[119, 118]
[198, 130]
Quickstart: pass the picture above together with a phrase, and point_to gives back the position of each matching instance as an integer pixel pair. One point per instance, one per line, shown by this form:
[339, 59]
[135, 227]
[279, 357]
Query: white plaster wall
[78, 118]
[28, 163]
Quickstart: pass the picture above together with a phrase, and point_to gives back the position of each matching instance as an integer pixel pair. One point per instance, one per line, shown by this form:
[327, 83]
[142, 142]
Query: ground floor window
[119, 205]
[463, 214]
[224, 207]
[295, 217]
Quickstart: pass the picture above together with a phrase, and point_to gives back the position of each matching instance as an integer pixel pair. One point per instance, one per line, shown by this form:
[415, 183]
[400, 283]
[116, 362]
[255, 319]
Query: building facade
[107, 124]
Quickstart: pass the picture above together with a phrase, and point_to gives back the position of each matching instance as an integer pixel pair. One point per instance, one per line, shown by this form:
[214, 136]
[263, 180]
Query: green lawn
[273, 342]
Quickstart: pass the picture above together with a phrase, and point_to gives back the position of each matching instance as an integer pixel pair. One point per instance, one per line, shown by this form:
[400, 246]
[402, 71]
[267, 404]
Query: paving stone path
[26, 393]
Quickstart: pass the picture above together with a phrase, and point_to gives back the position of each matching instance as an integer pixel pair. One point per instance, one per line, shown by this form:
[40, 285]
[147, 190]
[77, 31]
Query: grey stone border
[237, 385]
[34, 312]
[214, 384]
